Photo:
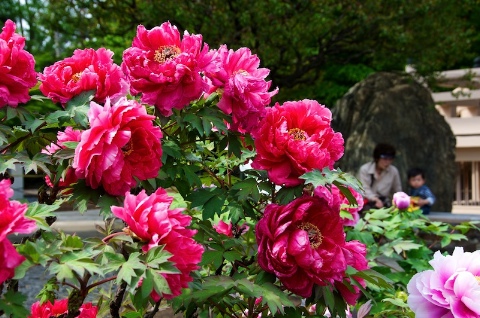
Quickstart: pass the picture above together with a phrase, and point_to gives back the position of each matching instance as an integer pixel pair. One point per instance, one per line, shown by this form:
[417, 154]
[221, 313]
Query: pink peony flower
[245, 91]
[86, 70]
[60, 307]
[12, 220]
[151, 220]
[451, 289]
[17, 68]
[122, 144]
[68, 135]
[224, 228]
[401, 200]
[302, 243]
[296, 138]
[165, 68]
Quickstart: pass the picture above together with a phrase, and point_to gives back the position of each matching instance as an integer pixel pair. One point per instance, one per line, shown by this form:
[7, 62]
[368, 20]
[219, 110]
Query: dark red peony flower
[122, 144]
[17, 68]
[86, 70]
[295, 138]
[302, 243]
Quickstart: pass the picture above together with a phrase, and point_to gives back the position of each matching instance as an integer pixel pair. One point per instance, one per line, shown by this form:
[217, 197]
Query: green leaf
[171, 149]
[127, 271]
[83, 195]
[400, 246]
[7, 164]
[70, 144]
[248, 189]
[195, 121]
[105, 202]
[276, 299]
[12, 304]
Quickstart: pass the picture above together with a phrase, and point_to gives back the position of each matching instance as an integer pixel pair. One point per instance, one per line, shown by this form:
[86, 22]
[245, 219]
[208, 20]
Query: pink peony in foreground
[303, 244]
[401, 200]
[164, 68]
[244, 89]
[122, 144]
[451, 289]
[150, 219]
[60, 307]
[17, 68]
[295, 138]
[86, 70]
[12, 220]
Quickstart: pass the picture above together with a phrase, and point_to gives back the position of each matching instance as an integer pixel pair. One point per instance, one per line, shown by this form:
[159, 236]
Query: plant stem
[103, 281]
[117, 302]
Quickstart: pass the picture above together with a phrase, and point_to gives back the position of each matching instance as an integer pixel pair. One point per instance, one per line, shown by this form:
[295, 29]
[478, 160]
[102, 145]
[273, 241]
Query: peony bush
[216, 203]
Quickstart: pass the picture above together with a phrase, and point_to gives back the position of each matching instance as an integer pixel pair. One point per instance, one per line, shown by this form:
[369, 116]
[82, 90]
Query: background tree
[314, 49]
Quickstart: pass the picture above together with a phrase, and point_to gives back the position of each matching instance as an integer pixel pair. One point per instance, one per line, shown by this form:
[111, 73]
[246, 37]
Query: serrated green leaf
[276, 299]
[127, 271]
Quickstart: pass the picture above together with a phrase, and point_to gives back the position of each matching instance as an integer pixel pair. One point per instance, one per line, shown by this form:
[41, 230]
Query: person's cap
[387, 156]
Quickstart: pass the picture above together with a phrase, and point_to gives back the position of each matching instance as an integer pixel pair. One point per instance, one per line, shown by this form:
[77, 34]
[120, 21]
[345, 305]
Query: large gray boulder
[394, 108]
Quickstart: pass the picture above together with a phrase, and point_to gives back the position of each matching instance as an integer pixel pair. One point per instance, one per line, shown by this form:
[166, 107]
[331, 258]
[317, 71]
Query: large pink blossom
[86, 70]
[60, 307]
[17, 68]
[165, 68]
[451, 289]
[150, 219]
[12, 220]
[244, 89]
[295, 138]
[302, 243]
[122, 144]
[69, 135]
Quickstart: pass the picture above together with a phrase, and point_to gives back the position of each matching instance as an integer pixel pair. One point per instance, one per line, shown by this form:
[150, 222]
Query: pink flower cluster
[151, 220]
[17, 68]
[59, 308]
[244, 89]
[303, 243]
[86, 70]
[122, 144]
[165, 68]
[295, 138]
[12, 220]
[450, 290]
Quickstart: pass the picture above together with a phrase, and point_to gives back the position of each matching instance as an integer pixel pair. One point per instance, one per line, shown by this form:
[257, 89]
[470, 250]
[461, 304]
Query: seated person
[420, 194]
[380, 179]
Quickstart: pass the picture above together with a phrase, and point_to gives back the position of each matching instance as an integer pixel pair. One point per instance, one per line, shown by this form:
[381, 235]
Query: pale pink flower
[244, 88]
[295, 138]
[401, 200]
[59, 308]
[164, 68]
[224, 228]
[86, 70]
[451, 289]
[150, 219]
[17, 68]
[122, 144]
[12, 220]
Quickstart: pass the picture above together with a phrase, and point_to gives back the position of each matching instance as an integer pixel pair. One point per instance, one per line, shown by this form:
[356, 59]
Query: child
[420, 194]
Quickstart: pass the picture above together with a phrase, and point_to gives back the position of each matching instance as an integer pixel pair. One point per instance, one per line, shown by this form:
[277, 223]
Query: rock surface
[394, 108]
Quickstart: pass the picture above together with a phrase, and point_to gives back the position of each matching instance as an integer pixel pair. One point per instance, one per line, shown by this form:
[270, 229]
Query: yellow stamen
[478, 279]
[297, 134]
[314, 235]
[166, 52]
[76, 76]
[128, 148]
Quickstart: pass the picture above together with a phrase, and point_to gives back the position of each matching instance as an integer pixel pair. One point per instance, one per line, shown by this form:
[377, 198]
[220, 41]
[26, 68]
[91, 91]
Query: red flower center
[166, 52]
[76, 76]
[314, 235]
[297, 134]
